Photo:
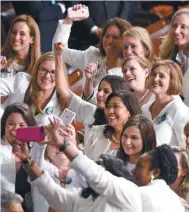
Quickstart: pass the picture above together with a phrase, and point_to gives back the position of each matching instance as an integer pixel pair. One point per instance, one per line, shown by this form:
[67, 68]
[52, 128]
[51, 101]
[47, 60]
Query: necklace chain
[143, 96]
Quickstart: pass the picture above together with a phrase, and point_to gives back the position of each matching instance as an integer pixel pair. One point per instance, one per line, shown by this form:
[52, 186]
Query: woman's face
[141, 172]
[134, 75]
[133, 46]
[159, 81]
[132, 141]
[181, 171]
[187, 141]
[14, 121]
[20, 39]
[112, 39]
[117, 113]
[46, 75]
[104, 90]
[180, 29]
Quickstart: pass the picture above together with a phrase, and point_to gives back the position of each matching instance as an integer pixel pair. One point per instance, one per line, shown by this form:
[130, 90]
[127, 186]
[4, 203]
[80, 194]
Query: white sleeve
[84, 110]
[117, 190]
[12, 84]
[57, 197]
[62, 33]
[179, 124]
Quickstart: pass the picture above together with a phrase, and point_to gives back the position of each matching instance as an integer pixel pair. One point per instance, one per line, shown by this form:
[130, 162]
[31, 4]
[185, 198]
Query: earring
[152, 178]
[31, 44]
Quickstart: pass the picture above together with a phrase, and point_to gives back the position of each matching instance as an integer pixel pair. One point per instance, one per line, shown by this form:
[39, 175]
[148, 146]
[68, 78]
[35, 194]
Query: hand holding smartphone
[78, 13]
[67, 116]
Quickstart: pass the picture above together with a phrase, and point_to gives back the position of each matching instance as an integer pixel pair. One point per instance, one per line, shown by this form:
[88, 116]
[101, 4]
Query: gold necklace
[115, 140]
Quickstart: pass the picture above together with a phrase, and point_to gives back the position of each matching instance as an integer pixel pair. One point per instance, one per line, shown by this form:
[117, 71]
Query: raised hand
[21, 150]
[58, 47]
[91, 70]
[3, 62]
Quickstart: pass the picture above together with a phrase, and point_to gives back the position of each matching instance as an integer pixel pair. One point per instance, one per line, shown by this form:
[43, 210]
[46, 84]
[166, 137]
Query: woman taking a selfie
[15, 116]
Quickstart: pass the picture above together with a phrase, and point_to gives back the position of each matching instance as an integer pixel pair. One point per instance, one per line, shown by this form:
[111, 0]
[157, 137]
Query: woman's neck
[163, 99]
[133, 159]
[45, 97]
[21, 57]
[111, 62]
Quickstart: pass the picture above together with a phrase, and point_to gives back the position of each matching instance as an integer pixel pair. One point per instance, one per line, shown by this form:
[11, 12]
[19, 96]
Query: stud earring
[152, 178]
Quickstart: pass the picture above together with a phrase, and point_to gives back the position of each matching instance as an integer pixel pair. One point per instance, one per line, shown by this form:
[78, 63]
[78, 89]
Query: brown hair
[35, 48]
[144, 37]
[186, 129]
[121, 24]
[175, 73]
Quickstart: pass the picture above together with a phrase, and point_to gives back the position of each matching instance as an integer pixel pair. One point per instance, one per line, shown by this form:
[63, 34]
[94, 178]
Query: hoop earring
[152, 178]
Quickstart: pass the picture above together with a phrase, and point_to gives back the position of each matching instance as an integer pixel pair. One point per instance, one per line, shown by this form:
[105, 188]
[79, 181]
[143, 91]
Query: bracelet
[64, 146]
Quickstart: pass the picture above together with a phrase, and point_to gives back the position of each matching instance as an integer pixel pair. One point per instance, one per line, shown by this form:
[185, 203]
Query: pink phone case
[28, 134]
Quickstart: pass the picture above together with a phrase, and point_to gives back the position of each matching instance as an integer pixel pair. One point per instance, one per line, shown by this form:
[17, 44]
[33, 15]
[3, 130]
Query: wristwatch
[64, 146]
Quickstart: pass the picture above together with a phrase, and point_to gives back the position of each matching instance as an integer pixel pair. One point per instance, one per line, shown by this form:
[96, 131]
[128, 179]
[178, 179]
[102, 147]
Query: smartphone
[28, 134]
[79, 14]
[67, 116]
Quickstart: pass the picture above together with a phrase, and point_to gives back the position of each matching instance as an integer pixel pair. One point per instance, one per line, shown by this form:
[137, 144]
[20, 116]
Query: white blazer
[96, 143]
[116, 194]
[158, 197]
[186, 87]
[170, 122]
[79, 59]
[15, 88]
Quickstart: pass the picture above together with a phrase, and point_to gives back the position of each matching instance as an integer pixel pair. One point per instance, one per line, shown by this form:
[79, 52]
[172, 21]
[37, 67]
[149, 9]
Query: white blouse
[170, 122]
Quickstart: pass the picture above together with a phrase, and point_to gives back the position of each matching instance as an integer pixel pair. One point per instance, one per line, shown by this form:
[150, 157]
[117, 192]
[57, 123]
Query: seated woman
[137, 42]
[135, 72]
[137, 137]
[15, 116]
[86, 113]
[154, 171]
[111, 193]
[107, 54]
[181, 184]
[169, 114]
[22, 47]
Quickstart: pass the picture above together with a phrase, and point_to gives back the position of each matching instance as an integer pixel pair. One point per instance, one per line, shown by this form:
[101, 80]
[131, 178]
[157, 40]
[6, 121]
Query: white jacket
[170, 122]
[15, 88]
[84, 112]
[158, 197]
[79, 59]
[186, 87]
[116, 194]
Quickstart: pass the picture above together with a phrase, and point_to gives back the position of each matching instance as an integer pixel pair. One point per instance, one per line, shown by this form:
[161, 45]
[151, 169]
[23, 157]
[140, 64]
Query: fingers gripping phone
[67, 116]
[79, 14]
[30, 134]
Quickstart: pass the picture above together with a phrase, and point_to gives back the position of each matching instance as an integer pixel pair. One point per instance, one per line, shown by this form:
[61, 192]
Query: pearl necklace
[144, 95]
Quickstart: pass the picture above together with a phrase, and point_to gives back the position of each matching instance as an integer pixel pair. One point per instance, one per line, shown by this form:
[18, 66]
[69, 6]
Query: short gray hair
[7, 197]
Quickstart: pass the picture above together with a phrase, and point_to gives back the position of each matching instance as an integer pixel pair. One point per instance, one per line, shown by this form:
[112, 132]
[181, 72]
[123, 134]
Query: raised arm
[61, 80]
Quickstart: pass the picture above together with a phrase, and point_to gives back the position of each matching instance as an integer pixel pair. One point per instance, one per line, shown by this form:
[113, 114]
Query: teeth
[111, 117]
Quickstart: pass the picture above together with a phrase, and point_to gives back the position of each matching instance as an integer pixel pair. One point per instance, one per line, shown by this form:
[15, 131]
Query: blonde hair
[175, 73]
[184, 187]
[186, 129]
[167, 47]
[35, 48]
[33, 91]
[142, 34]
[142, 61]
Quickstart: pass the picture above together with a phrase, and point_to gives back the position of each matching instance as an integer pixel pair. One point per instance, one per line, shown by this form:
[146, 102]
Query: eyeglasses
[44, 72]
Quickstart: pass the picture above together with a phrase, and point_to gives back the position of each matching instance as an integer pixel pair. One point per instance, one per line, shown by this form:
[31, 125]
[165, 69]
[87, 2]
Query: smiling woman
[22, 47]
[168, 113]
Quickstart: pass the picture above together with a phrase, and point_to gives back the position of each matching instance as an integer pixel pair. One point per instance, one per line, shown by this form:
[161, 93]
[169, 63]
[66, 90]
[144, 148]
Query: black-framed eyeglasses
[44, 72]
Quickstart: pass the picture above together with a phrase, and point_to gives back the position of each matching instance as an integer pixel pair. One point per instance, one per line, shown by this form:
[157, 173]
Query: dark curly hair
[164, 159]
[147, 133]
[115, 166]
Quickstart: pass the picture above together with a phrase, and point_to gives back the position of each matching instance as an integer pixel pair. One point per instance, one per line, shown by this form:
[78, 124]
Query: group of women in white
[134, 109]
